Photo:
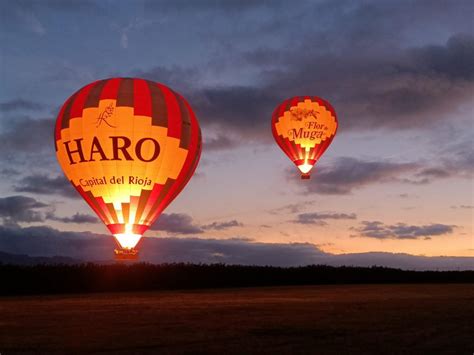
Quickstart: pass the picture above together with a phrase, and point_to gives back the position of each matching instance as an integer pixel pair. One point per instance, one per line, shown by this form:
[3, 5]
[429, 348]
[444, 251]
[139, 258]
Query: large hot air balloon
[303, 127]
[128, 146]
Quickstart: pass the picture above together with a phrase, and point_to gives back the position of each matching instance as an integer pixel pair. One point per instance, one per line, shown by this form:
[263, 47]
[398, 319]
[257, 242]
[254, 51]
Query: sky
[396, 181]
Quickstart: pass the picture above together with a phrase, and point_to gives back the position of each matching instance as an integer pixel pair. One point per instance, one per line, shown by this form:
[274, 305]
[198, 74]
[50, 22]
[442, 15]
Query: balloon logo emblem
[128, 146]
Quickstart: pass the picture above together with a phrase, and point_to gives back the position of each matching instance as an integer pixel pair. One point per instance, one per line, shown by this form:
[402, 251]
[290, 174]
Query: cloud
[455, 161]
[17, 141]
[135, 24]
[176, 223]
[25, 14]
[43, 184]
[86, 246]
[31, 21]
[319, 218]
[47, 241]
[222, 225]
[243, 107]
[379, 230]
[435, 173]
[403, 89]
[393, 88]
[215, 8]
[66, 73]
[20, 104]
[220, 142]
[77, 218]
[230, 251]
[124, 40]
[348, 174]
[459, 159]
[181, 223]
[239, 109]
[18, 208]
[24, 209]
[465, 207]
[292, 208]
[378, 69]
[9, 172]
[178, 77]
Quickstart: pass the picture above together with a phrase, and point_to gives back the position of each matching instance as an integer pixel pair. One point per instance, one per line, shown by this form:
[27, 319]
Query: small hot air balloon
[128, 146]
[304, 127]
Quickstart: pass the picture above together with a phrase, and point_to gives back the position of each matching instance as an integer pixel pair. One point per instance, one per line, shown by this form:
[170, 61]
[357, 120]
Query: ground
[343, 319]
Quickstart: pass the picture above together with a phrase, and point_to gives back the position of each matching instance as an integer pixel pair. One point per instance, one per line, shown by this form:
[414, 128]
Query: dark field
[432, 319]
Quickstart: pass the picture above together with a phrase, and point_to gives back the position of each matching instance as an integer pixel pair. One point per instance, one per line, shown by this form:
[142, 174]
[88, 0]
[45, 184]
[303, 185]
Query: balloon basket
[126, 254]
[305, 176]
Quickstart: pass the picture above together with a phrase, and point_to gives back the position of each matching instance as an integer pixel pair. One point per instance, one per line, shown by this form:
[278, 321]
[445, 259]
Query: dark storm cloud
[20, 104]
[176, 223]
[15, 209]
[242, 109]
[348, 174]
[370, 59]
[222, 225]
[397, 89]
[45, 185]
[379, 230]
[453, 61]
[77, 218]
[319, 218]
[373, 81]
[86, 246]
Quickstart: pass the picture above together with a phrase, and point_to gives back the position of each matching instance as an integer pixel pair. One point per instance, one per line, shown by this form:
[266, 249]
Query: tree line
[120, 277]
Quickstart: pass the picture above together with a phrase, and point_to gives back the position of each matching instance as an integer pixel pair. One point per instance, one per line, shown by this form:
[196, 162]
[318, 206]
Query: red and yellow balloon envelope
[304, 127]
[128, 146]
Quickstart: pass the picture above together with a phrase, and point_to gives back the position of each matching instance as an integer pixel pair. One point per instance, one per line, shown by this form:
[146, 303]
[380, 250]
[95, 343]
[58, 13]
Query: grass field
[342, 319]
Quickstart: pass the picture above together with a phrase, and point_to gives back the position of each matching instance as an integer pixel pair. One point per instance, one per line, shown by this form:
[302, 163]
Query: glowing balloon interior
[128, 146]
[304, 127]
